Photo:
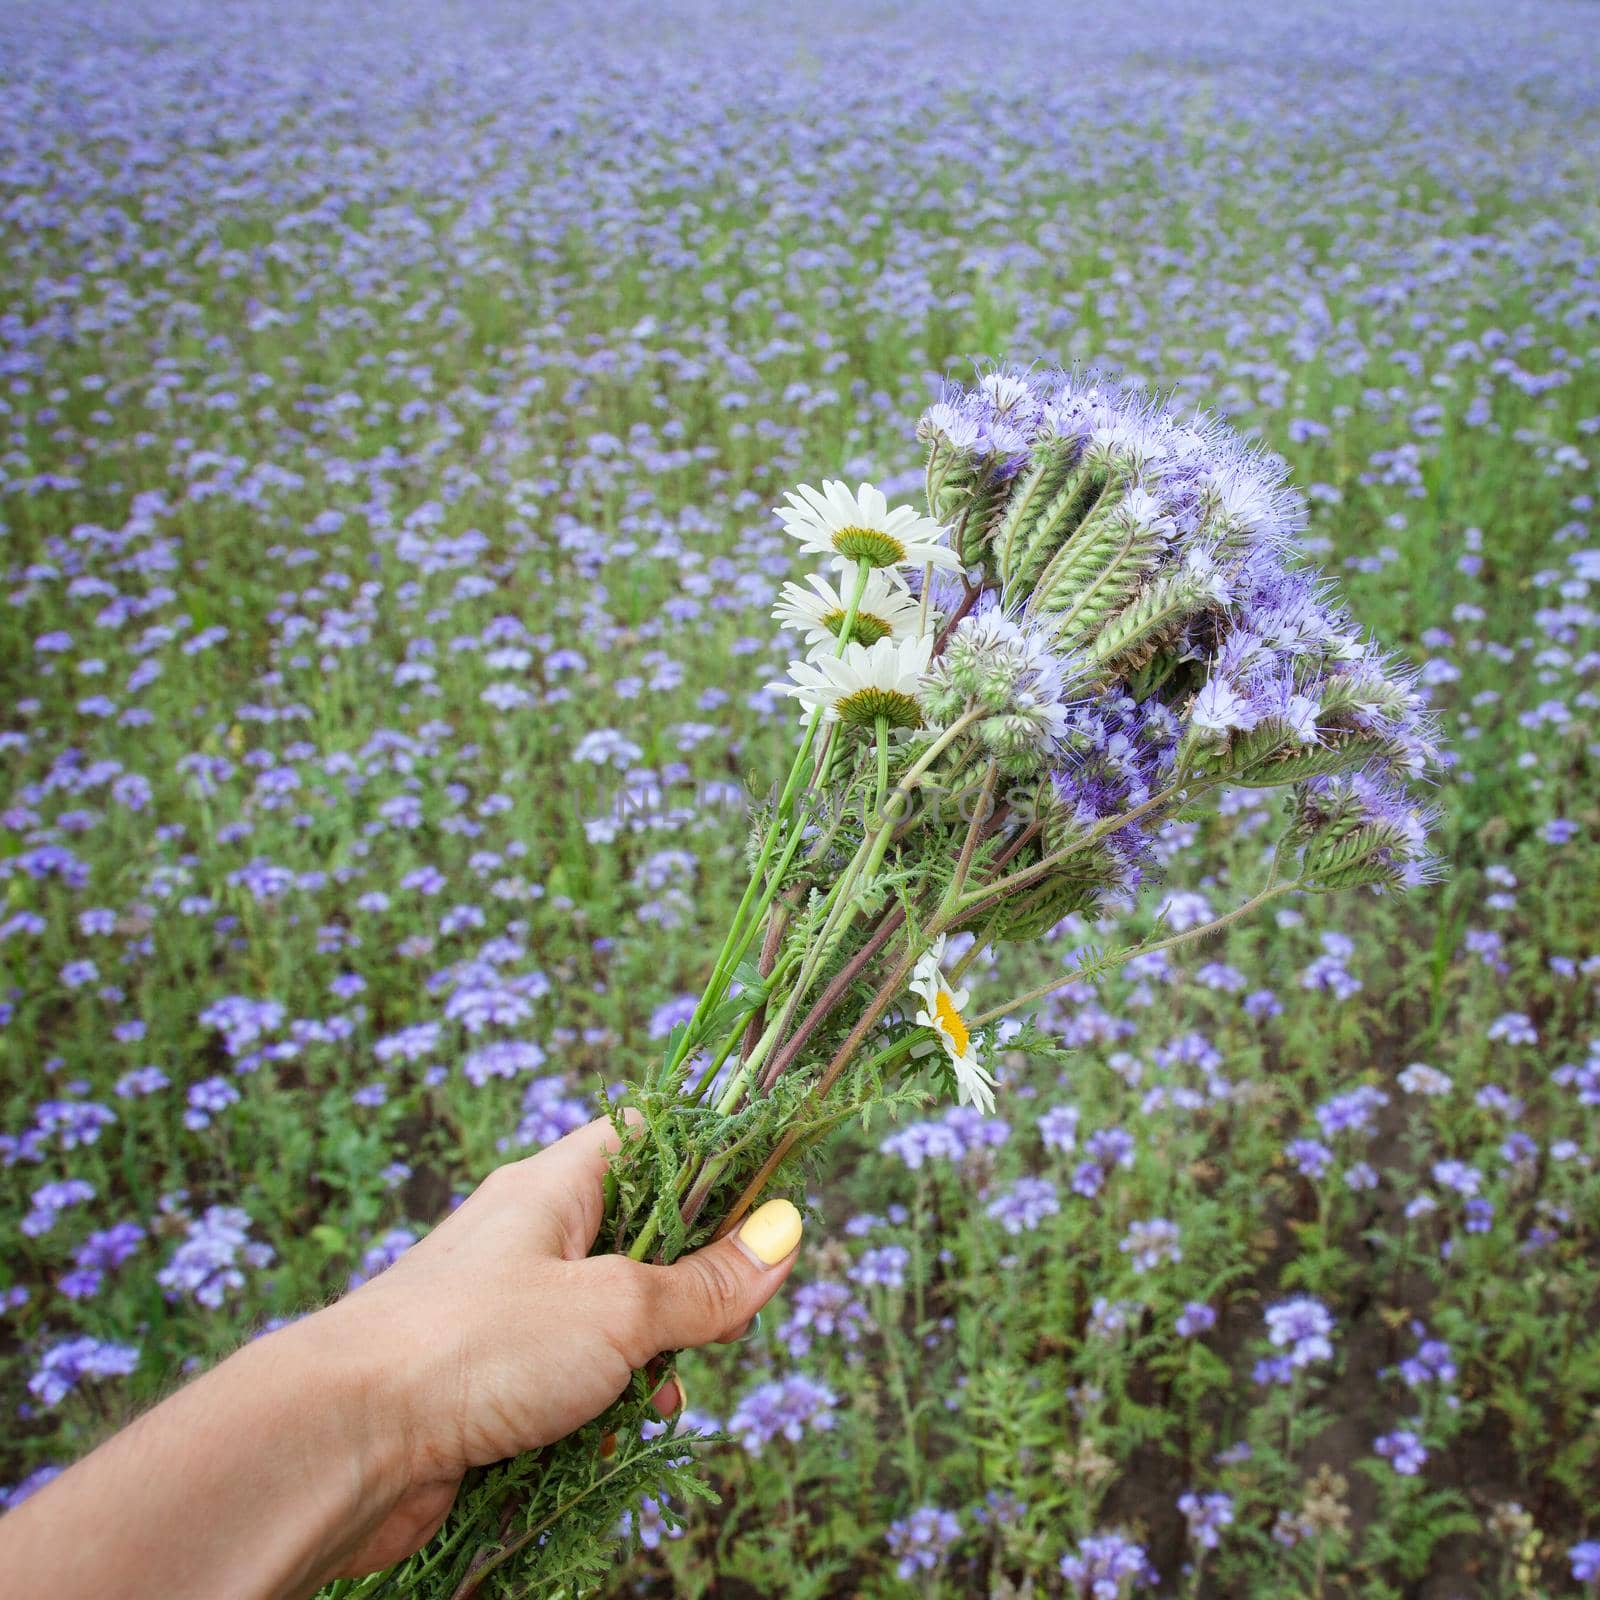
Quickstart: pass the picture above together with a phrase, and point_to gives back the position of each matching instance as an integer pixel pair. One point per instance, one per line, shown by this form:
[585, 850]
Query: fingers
[668, 1398]
[712, 1294]
[566, 1182]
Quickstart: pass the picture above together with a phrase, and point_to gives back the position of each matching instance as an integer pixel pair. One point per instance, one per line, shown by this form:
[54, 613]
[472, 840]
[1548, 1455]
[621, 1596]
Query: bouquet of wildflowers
[1097, 622]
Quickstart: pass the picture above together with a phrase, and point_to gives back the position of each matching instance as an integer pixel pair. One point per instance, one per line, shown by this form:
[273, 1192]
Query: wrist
[264, 1478]
[401, 1370]
[359, 1452]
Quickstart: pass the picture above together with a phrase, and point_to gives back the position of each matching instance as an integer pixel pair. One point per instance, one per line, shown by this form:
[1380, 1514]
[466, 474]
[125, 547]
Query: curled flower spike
[861, 527]
[942, 1011]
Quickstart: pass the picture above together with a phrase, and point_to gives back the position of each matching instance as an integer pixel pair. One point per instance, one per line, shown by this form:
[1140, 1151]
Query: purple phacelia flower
[882, 1267]
[31, 1485]
[1311, 1158]
[381, 1254]
[1585, 1559]
[73, 1361]
[1458, 1177]
[920, 1541]
[1301, 1325]
[1058, 1128]
[1352, 1112]
[1150, 1243]
[1023, 1206]
[1207, 1515]
[782, 1409]
[50, 1200]
[208, 1098]
[650, 1522]
[74, 1122]
[822, 1310]
[958, 1132]
[1403, 1450]
[140, 1082]
[1512, 1027]
[1106, 1566]
[209, 1264]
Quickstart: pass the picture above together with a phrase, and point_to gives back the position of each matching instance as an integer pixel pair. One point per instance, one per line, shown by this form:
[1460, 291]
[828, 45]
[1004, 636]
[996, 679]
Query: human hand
[498, 1333]
[335, 1445]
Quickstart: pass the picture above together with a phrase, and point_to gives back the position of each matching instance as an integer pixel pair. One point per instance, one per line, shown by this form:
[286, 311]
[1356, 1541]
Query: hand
[498, 1333]
[335, 1445]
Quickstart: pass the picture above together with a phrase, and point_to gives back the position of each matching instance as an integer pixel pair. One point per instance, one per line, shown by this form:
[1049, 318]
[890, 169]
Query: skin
[334, 1446]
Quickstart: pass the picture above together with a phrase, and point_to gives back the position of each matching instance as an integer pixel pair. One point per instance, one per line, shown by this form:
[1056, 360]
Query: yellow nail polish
[771, 1232]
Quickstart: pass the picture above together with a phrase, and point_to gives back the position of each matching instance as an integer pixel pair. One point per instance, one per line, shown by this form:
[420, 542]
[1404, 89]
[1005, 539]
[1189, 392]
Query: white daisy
[865, 683]
[888, 610]
[861, 527]
[942, 1011]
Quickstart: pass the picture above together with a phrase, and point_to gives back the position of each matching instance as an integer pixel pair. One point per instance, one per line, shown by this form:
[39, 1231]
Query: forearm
[252, 1481]
[336, 1446]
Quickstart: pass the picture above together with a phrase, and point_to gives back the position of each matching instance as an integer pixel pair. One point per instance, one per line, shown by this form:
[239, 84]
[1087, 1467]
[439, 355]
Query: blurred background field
[391, 402]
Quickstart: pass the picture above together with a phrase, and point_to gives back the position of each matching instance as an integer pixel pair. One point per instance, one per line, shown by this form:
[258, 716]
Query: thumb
[712, 1294]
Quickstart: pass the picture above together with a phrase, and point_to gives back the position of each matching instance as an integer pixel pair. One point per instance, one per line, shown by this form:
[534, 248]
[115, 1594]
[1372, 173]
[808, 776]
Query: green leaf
[330, 1240]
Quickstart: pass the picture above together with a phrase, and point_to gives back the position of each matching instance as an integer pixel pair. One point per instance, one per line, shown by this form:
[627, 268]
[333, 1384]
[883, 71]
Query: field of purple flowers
[391, 402]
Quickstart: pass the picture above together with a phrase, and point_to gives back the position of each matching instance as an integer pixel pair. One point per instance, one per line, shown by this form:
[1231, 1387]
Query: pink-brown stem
[967, 603]
[783, 1059]
[830, 1076]
[777, 923]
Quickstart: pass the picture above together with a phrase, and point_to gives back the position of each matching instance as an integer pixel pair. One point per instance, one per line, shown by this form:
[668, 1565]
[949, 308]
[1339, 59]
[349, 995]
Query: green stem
[911, 1455]
[721, 968]
[847, 626]
[974, 950]
[743, 917]
[708, 1174]
[819, 1093]
[864, 864]
[908, 783]
[775, 882]
[922, 603]
[812, 959]
[981, 812]
[510, 1548]
[1025, 876]
[1205, 930]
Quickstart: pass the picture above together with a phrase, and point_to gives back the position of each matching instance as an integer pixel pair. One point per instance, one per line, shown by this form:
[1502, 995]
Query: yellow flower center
[866, 629]
[952, 1022]
[871, 545]
[863, 707]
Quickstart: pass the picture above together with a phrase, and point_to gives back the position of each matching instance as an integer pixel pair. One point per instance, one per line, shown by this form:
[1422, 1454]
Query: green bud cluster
[1014, 739]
